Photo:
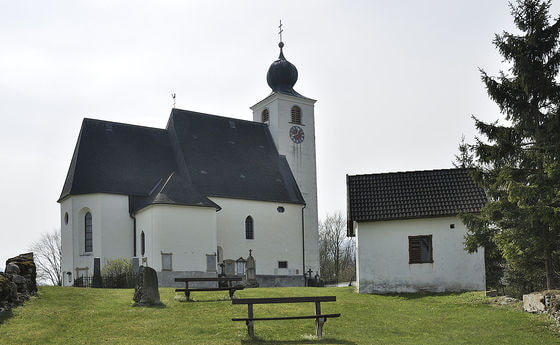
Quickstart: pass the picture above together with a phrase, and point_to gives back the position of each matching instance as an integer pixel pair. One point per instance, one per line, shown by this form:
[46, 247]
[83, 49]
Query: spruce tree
[518, 160]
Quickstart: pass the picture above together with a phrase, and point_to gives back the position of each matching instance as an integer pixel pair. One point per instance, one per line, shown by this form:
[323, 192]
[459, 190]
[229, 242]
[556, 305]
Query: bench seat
[287, 317]
[211, 289]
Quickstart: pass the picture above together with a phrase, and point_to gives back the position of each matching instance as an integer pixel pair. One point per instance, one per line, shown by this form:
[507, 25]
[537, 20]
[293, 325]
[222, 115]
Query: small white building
[408, 235]
[198, 193]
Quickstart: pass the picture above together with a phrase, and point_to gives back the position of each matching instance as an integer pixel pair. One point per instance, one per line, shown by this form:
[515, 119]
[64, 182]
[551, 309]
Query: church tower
[291, 120]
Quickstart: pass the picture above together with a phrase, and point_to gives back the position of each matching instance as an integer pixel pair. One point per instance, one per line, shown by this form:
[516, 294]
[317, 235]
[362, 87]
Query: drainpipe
[134, 235]
[303, 241]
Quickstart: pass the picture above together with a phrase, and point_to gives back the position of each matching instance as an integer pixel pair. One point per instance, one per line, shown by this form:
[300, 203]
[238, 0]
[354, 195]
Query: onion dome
[282, 75]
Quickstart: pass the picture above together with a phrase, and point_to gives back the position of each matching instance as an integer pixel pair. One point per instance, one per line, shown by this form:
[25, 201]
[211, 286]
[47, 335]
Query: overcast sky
[395, 81]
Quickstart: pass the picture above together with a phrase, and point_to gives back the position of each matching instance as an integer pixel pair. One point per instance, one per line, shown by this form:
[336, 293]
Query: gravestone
[135, 265]
[251, 272]
[146, 292]
[96, 282]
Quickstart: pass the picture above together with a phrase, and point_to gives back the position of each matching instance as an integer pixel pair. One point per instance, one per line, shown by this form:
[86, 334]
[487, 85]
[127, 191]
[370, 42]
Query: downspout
[134, 235]
[303, 243]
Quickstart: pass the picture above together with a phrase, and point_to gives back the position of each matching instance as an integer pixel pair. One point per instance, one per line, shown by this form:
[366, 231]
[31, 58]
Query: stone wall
[17, 283]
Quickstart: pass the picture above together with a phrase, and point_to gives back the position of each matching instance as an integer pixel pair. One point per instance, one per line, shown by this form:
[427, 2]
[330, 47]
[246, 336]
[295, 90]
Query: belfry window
[88, 233]
[296, 115]
[249, 231]
[265, 116]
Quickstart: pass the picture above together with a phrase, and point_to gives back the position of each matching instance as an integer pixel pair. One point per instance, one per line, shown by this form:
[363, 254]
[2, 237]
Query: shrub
[117, 273]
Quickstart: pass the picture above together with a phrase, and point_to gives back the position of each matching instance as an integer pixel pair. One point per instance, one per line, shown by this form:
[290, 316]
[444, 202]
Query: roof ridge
[121, 123]
[220, 116]
[410, 172]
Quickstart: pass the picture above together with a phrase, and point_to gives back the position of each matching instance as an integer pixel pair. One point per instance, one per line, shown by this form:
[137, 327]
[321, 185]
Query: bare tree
[336, 252]
[47, 252]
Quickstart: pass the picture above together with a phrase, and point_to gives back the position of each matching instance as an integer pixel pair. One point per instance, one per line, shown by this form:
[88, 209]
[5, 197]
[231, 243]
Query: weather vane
[280, 32]
[174, 96]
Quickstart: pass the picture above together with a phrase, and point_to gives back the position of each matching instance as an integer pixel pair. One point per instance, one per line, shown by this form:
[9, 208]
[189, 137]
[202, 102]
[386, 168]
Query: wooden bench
[228, 280]
[320, 319]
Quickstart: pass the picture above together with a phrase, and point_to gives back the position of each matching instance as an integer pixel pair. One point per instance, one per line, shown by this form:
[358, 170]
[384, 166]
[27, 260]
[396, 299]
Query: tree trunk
[548, 268]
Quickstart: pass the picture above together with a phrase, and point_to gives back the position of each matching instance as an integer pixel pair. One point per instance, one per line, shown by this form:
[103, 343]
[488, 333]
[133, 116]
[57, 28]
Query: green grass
[95, 316]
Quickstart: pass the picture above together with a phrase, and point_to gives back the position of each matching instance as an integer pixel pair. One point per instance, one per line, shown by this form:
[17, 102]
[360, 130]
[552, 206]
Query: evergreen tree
[518, 162]
[465, 158]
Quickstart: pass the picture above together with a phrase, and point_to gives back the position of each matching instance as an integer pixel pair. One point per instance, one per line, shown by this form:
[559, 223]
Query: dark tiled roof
[413, 194]
[118, 158]
[210, 155]
[228, 157]
[175, 190]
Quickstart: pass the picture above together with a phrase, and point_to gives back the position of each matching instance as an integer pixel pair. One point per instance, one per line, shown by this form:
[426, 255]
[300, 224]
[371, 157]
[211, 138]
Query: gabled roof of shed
[413, 194]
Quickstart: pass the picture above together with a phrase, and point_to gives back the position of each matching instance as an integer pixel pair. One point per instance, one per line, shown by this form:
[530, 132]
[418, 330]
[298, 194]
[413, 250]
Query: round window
[66, 218]
[280, 209]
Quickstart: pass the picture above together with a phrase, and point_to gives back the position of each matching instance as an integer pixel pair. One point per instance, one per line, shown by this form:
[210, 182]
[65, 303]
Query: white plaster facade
[277, 235]
[382, 257]
[188, 233]
[112, 230]
[300, 156]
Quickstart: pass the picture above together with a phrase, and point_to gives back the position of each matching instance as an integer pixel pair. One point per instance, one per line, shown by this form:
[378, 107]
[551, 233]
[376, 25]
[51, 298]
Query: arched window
[249, 232]
[88, 234]
[265, 115]
[296, 115]
[142, 243]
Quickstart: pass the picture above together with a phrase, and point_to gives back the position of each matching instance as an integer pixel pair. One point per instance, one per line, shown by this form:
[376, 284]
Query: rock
[17, 283]
[149, 292]
[534, 302]
[12, 268]
[27, 269]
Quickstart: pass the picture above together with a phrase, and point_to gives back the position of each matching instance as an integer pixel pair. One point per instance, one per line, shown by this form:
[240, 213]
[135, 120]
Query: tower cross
[280, 32]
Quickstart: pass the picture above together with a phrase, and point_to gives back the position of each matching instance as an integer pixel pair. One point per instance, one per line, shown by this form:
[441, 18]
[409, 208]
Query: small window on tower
[265, 116]
[296, 115]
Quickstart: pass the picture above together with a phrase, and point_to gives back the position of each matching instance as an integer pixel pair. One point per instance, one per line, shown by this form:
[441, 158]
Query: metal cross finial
[280, 32]
[174, 96]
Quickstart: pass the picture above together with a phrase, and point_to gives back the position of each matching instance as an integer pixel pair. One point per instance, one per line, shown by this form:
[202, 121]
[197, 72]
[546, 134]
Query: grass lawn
[94, 316]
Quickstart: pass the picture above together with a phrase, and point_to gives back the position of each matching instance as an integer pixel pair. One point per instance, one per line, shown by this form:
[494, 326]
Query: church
[193, 198]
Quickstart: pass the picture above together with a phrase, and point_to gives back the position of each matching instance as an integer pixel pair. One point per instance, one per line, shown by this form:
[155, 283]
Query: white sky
[396, 82]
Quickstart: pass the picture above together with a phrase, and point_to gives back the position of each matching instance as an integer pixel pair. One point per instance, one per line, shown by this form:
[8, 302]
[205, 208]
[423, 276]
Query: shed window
[282, 264]
[249, 231]
[142, 243]
[265, 115]
[166, 262]
[88, 233]
[296, 115]
[420, 249]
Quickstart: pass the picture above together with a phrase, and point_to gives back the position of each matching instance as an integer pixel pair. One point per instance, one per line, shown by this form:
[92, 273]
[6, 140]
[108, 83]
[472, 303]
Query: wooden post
[187, 292]
[318, 321]
[250, 328]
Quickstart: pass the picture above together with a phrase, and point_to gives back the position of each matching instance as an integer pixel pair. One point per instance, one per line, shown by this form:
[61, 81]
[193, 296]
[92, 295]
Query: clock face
[296, 134]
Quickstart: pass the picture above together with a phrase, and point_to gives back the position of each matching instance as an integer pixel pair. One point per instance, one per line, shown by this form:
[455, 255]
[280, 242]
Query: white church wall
[188, 233]
[301, 158]
[383, 257]
[67, 239]
[277, 236]
[112, 230]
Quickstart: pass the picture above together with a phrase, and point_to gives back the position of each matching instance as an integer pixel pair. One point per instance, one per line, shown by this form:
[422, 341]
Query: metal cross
[173, 95]
[280, 32]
